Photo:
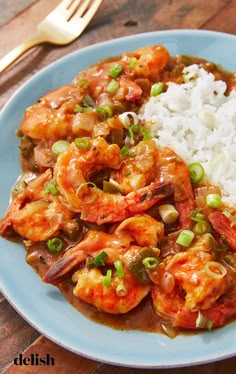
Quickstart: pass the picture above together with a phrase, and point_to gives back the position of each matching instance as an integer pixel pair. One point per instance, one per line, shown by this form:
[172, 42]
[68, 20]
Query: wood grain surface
[115, 18]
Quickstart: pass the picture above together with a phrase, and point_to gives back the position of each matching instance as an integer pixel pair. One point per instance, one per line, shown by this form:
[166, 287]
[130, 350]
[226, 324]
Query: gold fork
[62, 26]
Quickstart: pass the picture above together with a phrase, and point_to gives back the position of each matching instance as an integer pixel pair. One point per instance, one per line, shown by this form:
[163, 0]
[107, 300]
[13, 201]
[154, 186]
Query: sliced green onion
[196, 216]
[146, 133]
[131, 135]
[119, 268]
[203, 322]
[132, 62]
[157, 89]
[230, 216]
[197, 172]
[121, 290]
[168, 213]
[151, 262]
[59, 147]
[107, 279]
[112, 86]
[115, 70]
[82, 143]
[51, 187]
[79, 109]
[202, 227]
[84, 190]
[98, 260]
[124, 150]
[136, 266]
[88, 101]
[82, 109]
[127, 173]
[83, 84]
[185, 238]
[215, 270]
[54, 245]
[105, 111]
[221, 249]
[213, 200]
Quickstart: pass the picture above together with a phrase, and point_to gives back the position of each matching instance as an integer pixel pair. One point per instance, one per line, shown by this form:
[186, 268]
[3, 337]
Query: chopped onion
[170, 331]
[121, 290]
[203, 322]
[168, 282]
[126, 117]
[168, 213]
[59, 147]
[215, 270]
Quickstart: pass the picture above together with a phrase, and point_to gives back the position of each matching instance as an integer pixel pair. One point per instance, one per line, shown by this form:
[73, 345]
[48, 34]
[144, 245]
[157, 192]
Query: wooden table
[114, 19]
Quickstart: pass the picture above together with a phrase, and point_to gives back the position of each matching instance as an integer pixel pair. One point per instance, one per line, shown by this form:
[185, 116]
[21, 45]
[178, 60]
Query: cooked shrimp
[52, 117]
[173, 168]
[121, 294]
[129, 231]
[72, 170]
[112, 208]
[188, 283]
[39, 220]
[150, 61]
[138, 171]
[28, 188]
[74, 166]
[224, 226]
[55, 116]
[34, 213]
[145, 230]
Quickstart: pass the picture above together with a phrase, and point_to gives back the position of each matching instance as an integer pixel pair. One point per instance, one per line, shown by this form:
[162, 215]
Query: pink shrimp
[141, 230]
[185, 288]
[34, 213]
[138, 171]
[123, 291]
[120, 294]
[72, 170]
[224, 227]
[173, 168]
[52, 117]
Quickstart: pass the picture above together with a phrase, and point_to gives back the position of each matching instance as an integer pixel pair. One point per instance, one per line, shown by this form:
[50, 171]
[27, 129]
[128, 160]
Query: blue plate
[42, 305]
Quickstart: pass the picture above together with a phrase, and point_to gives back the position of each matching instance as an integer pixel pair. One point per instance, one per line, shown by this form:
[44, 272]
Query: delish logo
[34, 360]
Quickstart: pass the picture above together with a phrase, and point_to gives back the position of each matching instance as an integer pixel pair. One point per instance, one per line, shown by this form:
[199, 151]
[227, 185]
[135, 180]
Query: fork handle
[18, 51]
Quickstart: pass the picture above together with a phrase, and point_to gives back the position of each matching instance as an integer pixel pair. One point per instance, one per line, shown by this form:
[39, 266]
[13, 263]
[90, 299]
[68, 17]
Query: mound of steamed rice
[198, 122]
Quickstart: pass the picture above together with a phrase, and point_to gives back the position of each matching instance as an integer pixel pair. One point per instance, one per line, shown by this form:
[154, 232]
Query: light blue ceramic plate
[42, 305]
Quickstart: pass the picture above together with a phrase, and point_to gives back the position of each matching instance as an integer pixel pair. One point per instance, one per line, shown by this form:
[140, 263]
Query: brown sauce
[142, 317]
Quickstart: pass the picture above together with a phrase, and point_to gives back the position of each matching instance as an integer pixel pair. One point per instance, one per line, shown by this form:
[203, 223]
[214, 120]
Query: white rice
[198, 122]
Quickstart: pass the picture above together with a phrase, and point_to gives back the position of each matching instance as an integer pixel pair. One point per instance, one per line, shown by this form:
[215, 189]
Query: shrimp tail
[147, 197]
[61, 269]
[223, 226]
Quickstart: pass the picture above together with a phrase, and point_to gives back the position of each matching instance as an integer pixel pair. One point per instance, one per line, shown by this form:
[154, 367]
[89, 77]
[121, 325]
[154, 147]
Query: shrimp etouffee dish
[132, 235]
